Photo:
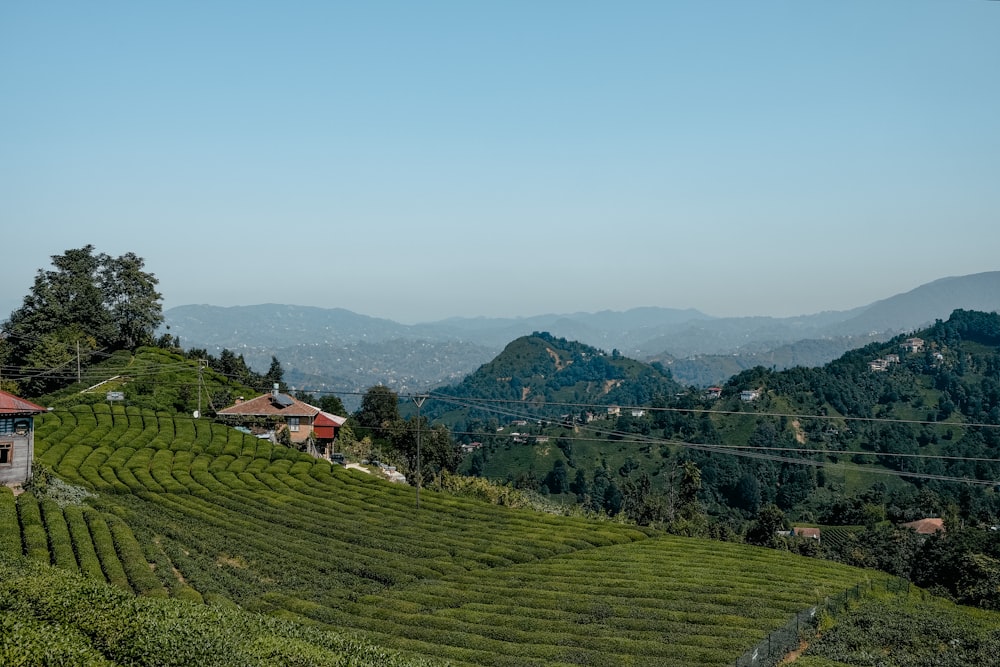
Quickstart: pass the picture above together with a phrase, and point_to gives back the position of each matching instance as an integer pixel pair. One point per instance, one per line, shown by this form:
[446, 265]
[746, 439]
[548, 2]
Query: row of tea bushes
[52, 617]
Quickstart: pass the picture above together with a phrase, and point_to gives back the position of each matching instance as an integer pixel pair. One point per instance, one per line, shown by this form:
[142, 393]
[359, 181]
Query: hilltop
[549, 376]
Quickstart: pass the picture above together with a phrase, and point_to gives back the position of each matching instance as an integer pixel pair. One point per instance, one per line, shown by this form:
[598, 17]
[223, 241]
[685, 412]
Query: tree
[747, 493]
[379, 408]
[275, 375]
[131, 299]
[87, 302]
[331, 403]
[66, 303]
[763, 532]
[580, 486]
[557, 480]
[691, 519]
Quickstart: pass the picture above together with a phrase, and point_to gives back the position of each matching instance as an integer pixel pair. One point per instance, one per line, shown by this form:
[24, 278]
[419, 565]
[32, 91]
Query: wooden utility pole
[419, 400]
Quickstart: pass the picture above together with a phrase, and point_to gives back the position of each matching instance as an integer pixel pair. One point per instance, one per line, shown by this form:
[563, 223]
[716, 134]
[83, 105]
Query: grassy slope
[225, 518]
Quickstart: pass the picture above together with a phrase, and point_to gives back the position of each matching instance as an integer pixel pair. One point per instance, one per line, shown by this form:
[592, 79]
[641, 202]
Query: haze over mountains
[339, 350]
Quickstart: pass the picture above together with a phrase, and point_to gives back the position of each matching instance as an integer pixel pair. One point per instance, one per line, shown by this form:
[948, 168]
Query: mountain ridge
[461, 344]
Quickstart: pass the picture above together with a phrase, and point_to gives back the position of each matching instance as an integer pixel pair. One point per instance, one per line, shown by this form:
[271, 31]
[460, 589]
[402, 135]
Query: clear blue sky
[417, 160]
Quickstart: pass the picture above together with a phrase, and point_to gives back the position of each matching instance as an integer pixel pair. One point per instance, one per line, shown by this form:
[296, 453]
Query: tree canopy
[88, 302]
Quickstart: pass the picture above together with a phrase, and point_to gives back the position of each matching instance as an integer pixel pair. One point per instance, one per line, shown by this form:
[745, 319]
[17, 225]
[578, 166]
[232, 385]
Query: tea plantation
[196, 524]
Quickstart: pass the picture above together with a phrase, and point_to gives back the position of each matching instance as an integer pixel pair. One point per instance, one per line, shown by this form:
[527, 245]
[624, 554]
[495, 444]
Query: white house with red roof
[17, 438]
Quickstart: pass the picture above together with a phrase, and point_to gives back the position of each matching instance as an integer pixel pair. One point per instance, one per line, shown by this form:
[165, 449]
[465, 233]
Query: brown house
[17, 438]
[276, 411]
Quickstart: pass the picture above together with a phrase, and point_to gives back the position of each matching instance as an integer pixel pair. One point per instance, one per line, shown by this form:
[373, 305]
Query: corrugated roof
[328, 419]
[13, 405]
[266, 406]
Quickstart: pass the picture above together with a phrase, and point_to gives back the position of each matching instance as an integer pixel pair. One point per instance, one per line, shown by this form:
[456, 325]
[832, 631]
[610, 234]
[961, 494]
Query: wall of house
[17, 439]
[305, 428]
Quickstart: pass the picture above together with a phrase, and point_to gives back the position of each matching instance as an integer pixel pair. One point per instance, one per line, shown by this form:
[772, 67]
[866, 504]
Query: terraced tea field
[188, 509]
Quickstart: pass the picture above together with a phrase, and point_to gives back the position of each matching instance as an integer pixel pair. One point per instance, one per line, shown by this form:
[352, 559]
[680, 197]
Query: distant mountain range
[338, 350]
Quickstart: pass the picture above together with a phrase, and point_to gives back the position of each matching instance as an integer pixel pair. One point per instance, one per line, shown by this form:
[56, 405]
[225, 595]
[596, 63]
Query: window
[293, 423]
[6, 453]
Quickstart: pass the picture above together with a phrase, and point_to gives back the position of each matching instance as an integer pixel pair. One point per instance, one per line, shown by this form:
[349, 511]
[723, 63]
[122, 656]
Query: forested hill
[910, 426]
[552, 375]
[947, 372]
[895, 431]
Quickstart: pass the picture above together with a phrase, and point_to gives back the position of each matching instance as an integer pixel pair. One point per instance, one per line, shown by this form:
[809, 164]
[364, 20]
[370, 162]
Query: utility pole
[419, 400]
[201, 368]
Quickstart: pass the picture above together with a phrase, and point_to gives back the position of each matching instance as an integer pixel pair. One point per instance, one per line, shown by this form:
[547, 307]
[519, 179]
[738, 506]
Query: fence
[785, 639]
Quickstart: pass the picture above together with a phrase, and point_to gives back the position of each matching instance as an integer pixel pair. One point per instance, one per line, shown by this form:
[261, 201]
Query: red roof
[12, 405]
[806, 532]
[269, 405]
[327, 419]
[926, 526]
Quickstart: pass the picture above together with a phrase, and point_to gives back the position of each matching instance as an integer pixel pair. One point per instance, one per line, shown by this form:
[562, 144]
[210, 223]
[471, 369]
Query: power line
[747, 451]
[474, 403]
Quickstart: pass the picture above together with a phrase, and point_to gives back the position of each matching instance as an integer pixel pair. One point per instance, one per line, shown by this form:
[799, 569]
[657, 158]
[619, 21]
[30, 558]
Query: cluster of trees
[391, 438]
[961, 563]
[88, 303]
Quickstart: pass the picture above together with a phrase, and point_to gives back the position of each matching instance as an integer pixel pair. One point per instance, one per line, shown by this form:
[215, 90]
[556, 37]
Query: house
[638, 413]
[912, 345]
[276, 411]
[614, 410]
[878, 366]
[749, 395]
[326, 426]
[713, 393]
[811, 533]
[892, 358]
[926, 526]
[17, 438]
[468, 448]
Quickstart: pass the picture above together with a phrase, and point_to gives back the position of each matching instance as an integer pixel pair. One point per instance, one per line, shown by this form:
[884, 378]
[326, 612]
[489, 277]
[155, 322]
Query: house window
[293, 423]
[6, 453]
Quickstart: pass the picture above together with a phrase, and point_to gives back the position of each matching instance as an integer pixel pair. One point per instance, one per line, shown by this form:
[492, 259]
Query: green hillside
[550, 375]
[915, 436]
[168, 507]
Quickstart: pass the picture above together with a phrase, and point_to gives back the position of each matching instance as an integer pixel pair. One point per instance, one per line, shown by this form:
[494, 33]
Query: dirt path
[794, 655]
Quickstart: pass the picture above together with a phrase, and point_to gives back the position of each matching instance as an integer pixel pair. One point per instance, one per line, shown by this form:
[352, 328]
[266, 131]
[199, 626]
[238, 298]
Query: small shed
[17, 438]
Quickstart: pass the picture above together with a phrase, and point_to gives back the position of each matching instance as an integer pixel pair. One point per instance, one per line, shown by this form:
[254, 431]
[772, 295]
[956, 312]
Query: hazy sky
[417, 160]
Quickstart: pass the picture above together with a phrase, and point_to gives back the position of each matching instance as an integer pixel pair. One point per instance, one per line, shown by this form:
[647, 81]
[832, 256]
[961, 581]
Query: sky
[422, 160]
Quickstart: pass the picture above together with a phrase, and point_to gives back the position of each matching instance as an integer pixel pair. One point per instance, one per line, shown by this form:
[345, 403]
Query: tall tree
[86, 302]
[275, 375]
[66, 302]
[331, 403]
[131, 300]
[379, 408]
